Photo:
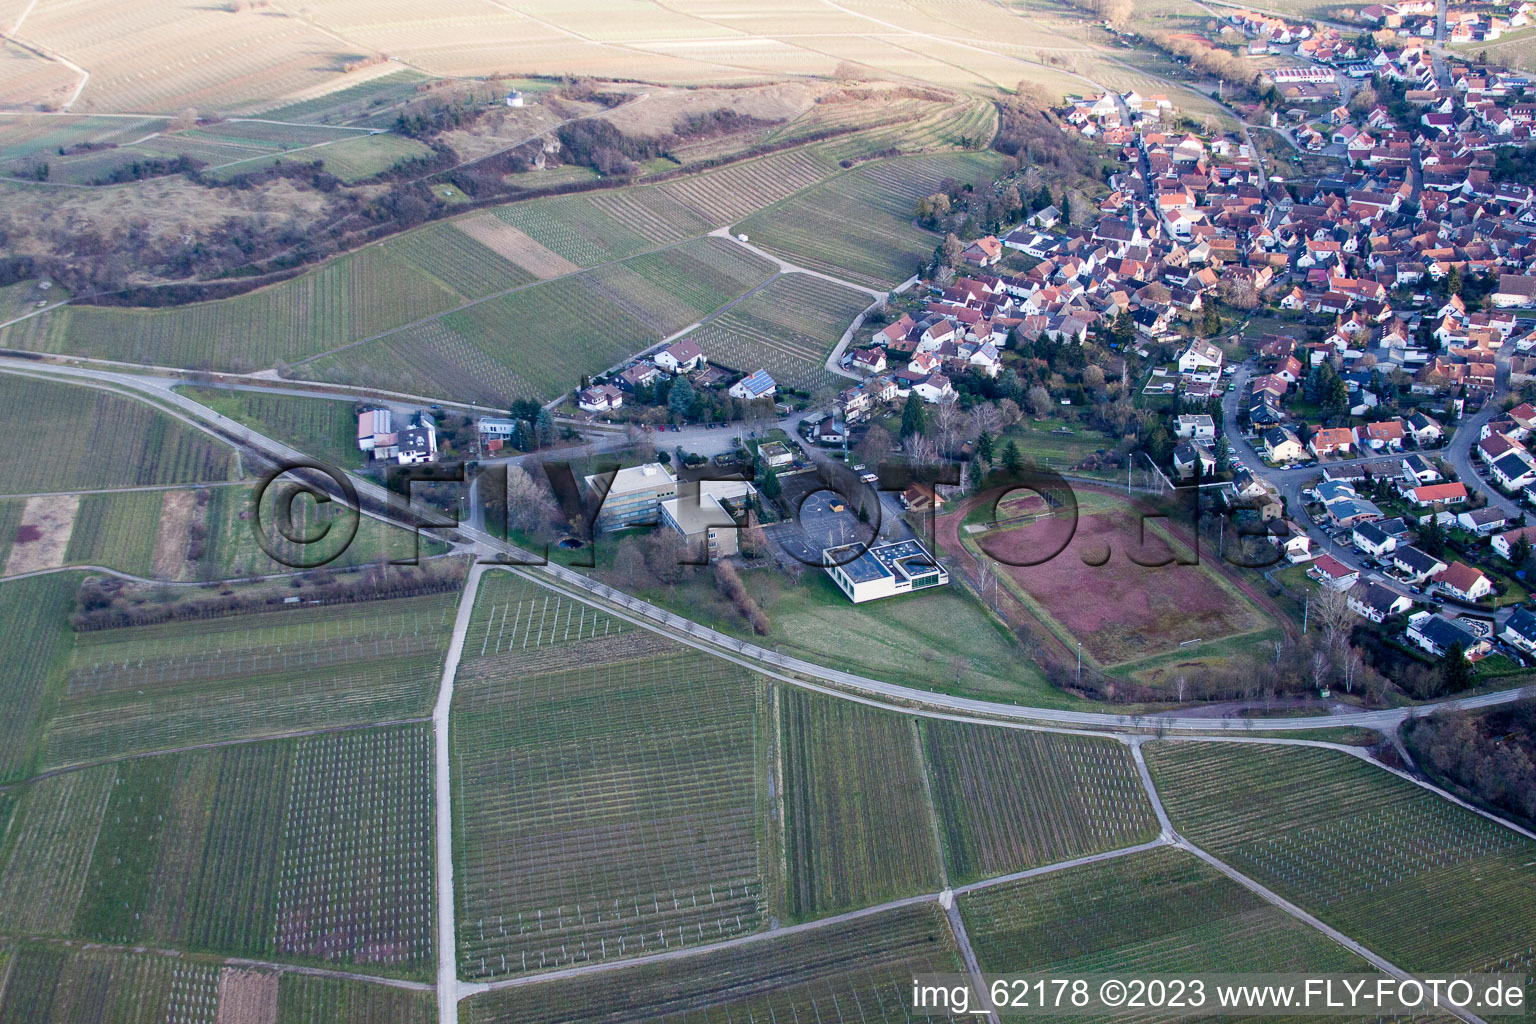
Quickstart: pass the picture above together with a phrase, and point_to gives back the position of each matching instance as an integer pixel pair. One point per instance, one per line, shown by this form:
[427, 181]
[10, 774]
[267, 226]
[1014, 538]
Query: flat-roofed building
[705, 513]
[868, 574]
[634, 497]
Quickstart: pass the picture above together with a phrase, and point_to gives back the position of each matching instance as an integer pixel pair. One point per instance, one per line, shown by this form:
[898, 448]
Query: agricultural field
[723, 197]
[23, 136]
[308, 1000]
[857, 971]
[1155, 602]
[118, 531]
[316, 850]
[858, 225]
[98, 439]
[157, 687]
[32, 614]
[353, 103]
[46, 985]
[858, 823]
[577, 229]
[537, 341]
[1408, 874]
[1008, 799]
[323, 427]
[354, 160]
[610, 797]
[344, 301]
[788, 328]
[1162, 911]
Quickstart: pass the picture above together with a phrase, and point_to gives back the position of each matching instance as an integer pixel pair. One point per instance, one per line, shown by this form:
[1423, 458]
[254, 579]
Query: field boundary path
[449, 988]
[1381, 963]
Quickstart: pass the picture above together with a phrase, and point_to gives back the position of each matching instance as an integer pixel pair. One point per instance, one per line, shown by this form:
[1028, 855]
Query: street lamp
[1079, 663]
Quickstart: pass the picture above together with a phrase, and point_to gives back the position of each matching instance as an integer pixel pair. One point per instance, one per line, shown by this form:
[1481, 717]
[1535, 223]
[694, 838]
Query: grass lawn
[1040, 440]
[323, 427]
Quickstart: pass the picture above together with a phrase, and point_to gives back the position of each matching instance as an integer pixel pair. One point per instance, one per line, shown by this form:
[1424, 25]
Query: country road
[790, 669]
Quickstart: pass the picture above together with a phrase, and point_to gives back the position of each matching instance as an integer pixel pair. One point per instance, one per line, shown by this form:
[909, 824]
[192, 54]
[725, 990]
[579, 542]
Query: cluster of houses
[410, 442]
[681, 358]
[1464, 23]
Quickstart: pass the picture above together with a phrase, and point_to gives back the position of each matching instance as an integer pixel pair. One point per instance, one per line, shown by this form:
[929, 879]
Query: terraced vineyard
[1008, 799]
[858, 826]
[725, 196]
[156, 687]
[653, 212]
[857, 225]
[350, 298]
[787, 328]
[858, 972]
[1413, 877]
[608, 795]
[316, 850]
[98, 440]
[577, 229]
[537, 341]
[1162, 911]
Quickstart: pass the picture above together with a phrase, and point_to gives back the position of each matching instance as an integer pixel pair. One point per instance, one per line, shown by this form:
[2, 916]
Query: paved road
[794, 670]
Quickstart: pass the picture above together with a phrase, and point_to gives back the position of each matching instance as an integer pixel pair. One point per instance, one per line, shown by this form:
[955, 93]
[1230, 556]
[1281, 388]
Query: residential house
[1452, 493]
[1371, 539]
[755, 385]
[1414, 564]
[1503, 544]
[1520, 631]
[1377, 602]
[1437, 635]
[1195, 427]
[1483, 521]
[681, 357]
[1462, 581]
[1281, 445]
[599, 398]
[1332, 573]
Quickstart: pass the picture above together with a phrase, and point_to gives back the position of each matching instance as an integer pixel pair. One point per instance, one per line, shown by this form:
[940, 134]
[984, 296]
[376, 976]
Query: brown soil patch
[43, 536]
[247, 997]
[1119, 609]
[505, 240]
[176, 514]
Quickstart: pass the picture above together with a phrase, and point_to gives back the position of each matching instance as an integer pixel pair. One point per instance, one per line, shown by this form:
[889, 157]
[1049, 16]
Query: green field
[725, 196]
[1411, 876]
[353, 160]
[858, 824]
[32, 615]
[259, 674]
[117, 531]
[1008, 799]
[48, 985]
[578, 229]
[610, 796]
[322, 427]
[858, 972]
[857, 225]
[79, 437]
[539, 340]
[787, 328]
[346, 300]
[317, 850]
[306, 1000]
[1158, 912]
[343, 106]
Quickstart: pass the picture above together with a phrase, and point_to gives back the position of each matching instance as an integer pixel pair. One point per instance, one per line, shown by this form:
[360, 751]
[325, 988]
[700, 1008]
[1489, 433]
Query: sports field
[316, 850]
[163, 686]
[1424, 883]
[1147, 601]
[608, 793]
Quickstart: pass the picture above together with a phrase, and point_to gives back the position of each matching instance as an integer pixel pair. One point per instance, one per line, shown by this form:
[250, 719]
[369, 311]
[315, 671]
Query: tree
[530, 507]
[1039, 400]
[629, 565]
[770, 485]
[1212, 323]
[544, 429]
[1453, 282]
[914, 418]
[984, 450]
[1457, 670]
[681, 399]
[1432, 535]
[1334, 616]
[1335, 396]
[1520, 552]
[1013, 461]
[1223, 456]
[875, 445]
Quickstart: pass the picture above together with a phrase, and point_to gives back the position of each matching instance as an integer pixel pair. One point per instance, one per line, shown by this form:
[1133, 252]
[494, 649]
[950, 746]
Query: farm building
[869, 574]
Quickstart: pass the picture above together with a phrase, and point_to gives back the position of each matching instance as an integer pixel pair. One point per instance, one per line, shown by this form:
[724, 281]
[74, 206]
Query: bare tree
[629, 565]
[1010, 412]
[1039, 401]
[986, 417]
[1334, 616]
[949, 423]
[530, 507]
[1319, 669]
